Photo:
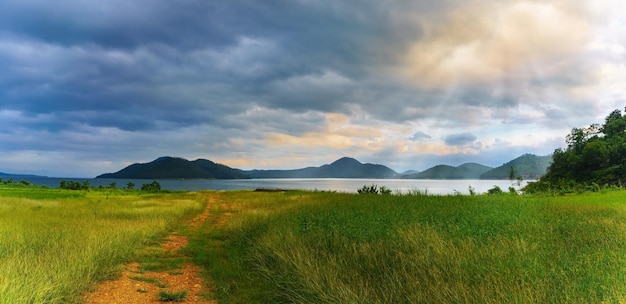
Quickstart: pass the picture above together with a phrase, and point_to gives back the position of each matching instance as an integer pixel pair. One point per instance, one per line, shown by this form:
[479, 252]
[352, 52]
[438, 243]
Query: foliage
[527, 166]
[374, 189]
[464, 171]
[594, 154]
[495, 190]
[74, 185]
[153, 186]
[175, 167]
[472, 190]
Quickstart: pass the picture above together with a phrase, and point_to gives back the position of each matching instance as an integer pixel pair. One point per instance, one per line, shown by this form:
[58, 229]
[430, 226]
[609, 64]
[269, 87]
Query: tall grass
[341, 248]
[56, 243]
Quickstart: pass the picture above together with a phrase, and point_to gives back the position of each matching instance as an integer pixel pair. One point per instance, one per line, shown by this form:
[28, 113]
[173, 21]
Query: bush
[373, 189]
[153, 186]
[494, 190]
[74, 185]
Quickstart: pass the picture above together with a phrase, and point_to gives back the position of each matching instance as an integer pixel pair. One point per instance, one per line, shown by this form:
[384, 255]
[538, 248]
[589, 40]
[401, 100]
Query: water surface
[349, 185]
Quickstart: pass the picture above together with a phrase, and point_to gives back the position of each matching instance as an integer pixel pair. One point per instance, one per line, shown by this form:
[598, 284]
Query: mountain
[409, 172]
[464, 171]
[10, 175]
[175, 167]
[528, 166]
[345, 167]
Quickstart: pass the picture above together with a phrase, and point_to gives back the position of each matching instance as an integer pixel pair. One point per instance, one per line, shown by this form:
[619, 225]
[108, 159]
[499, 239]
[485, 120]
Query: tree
[614, 124]
[594, 155]
[153, 186]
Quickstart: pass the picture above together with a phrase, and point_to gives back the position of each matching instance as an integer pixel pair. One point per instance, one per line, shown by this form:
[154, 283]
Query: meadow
[316, 247]
[55, 244]
[322, 247]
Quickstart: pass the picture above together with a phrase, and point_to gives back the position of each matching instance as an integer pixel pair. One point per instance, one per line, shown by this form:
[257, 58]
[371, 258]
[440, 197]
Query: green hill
[345, 167]
[464, 171]
[175, 168]
[528, 166]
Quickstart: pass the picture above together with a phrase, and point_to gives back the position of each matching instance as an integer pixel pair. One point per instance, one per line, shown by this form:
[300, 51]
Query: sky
[88, 87]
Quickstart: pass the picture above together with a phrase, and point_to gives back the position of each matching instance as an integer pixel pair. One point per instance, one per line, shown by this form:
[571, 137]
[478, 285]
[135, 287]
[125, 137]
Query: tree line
[595, 156]
[74, 185]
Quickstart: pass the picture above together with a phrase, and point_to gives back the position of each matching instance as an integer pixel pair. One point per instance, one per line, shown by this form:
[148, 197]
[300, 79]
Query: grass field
[54, 244]
[317, 247]
[307, 247]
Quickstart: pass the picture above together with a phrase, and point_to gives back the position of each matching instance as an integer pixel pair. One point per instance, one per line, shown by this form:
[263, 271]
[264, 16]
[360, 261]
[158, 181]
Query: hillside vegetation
[595, 156]
[465, 171]
[176, 167]
[527, 166]
[344, 167]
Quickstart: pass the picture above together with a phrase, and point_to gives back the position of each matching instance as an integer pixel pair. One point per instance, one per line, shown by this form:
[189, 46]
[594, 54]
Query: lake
[349, 185]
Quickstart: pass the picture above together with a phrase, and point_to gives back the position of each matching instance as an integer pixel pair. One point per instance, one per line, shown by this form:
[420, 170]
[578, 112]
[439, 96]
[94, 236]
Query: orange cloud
[339, 133]
[485, 40]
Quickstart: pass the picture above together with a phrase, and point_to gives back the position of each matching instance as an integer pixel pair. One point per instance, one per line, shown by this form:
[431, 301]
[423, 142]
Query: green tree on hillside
[594, 154]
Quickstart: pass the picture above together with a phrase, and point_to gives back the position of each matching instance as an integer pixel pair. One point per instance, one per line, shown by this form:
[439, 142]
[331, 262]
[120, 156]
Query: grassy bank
[307, 247]
[56, 243]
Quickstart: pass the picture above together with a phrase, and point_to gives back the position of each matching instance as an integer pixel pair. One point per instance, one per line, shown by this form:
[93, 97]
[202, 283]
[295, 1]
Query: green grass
[316, 247]
[168, 296]
[55, 244]
[154, 281]
[305, 247]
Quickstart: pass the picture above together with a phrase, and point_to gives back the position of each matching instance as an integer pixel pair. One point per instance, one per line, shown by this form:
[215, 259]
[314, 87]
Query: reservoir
[349, 185]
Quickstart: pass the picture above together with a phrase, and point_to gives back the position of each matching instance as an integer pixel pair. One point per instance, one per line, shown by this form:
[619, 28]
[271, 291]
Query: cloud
[419, 135]
[256, 82]
[484, 41]
[460, 139]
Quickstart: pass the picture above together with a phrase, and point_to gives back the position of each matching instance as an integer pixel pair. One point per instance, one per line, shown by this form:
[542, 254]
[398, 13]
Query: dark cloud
[121, 24]
[152, 76]
[176, 58]
[419, 135]
[459, 139]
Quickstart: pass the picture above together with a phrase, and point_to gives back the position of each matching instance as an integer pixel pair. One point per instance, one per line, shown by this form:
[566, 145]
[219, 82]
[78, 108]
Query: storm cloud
[286, 83]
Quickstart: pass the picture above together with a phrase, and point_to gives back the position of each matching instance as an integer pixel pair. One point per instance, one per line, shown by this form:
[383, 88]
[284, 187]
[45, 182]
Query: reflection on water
[324, 184]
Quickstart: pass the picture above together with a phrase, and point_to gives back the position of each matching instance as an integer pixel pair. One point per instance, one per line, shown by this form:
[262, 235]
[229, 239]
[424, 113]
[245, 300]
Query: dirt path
[137, 286]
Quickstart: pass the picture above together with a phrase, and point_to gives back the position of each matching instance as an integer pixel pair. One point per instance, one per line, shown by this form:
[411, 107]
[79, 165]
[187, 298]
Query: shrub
[495, 190]
[472, 190]
[153, 186]
[74, 185]
[373, 189]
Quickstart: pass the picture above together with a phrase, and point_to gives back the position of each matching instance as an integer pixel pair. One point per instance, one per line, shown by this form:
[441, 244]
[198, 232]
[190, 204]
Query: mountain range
[9, 175]
[464, 171]
[344, 167]
[527, 166]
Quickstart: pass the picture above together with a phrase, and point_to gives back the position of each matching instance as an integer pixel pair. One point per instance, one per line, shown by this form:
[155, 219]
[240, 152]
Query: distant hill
[10, 175]
[409, 172]
[528, 166]
[174, 168]
[464, 171]
[345, 167]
